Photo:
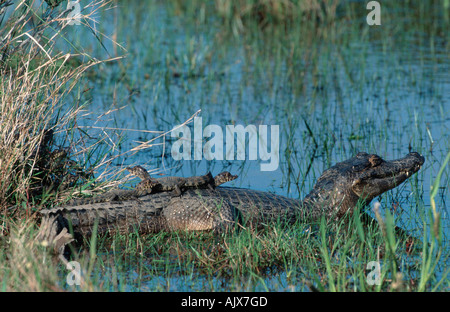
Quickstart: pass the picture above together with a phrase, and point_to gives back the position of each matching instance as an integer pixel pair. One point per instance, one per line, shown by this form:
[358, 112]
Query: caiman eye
[361, 154]
[375, 160]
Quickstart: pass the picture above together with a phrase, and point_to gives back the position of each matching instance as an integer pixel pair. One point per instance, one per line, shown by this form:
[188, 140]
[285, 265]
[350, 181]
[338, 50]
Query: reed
[37, 82]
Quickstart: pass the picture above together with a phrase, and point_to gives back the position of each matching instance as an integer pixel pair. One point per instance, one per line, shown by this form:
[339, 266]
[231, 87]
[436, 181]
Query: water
[330, 97]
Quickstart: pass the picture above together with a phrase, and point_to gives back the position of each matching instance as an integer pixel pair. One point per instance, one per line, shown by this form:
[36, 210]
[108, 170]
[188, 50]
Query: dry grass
[24, 262]
[35, 82]
[267, 12]
[28, 263]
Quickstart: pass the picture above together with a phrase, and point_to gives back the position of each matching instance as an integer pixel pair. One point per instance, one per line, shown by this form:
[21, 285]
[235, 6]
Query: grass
[37, 80]
[312, 71]
[43, 153]
[325, 257]
[333, 257]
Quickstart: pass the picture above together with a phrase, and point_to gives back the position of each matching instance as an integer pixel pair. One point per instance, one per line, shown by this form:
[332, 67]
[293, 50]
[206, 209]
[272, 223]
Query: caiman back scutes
[133, 219]
[123, 217]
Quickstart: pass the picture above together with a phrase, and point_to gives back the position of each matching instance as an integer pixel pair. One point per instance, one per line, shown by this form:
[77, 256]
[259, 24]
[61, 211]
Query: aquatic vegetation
[333, 84]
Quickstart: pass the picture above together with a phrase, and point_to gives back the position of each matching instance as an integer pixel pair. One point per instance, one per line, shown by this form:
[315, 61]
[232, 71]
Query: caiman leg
[176, 191]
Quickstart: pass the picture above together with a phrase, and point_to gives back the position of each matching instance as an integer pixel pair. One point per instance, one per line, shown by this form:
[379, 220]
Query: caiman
[338, 190]
[150, 185]
[177, 185]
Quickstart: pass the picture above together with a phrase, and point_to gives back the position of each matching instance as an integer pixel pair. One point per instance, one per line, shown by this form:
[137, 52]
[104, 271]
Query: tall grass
[434, 244]
[37, 82]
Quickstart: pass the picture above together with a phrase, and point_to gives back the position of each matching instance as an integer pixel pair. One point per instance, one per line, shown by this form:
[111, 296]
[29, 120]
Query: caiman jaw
[386, 175]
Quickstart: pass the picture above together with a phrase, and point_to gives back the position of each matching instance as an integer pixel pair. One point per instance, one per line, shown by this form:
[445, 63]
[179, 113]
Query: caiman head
[360, 178]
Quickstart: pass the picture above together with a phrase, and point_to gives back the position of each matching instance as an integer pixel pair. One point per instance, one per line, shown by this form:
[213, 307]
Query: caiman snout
[409, 164]
[419, 158]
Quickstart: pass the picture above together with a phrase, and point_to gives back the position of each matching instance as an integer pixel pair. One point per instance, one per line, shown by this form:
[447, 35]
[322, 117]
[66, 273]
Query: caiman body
[336, 193]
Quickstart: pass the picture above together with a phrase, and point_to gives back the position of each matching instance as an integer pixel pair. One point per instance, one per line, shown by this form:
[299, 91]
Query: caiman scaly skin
[150, 185]
[337, 191]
